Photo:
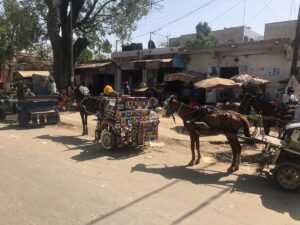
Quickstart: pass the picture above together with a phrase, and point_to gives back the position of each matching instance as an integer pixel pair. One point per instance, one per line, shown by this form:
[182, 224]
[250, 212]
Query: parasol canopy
[178, 77]
[215, 83]
[246, 79]
[142, 87]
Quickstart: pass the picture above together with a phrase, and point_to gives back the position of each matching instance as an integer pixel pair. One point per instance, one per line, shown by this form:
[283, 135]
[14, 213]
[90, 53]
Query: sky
[185, 14]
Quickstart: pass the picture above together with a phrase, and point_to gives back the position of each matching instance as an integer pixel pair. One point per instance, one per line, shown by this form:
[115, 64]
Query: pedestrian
[126, 88]
[52, 86]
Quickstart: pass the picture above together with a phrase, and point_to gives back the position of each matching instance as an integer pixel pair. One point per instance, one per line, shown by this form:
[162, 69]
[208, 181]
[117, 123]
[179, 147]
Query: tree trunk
[61, 40]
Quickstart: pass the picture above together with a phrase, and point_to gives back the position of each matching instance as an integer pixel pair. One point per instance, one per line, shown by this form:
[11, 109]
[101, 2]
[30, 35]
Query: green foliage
[202, 29]
[204, 38]
[202, 42]
[86, 56]
[19, 28]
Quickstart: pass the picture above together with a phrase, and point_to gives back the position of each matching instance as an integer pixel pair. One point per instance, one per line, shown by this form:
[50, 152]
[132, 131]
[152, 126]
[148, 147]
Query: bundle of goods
[132, 122]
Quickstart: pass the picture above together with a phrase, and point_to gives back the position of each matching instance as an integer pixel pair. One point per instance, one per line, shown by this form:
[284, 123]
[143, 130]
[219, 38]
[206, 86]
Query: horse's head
[246, 104]
[169, 105]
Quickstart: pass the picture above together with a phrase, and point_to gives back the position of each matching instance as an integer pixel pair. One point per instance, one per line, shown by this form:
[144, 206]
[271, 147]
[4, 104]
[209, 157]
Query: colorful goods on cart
[133, 123]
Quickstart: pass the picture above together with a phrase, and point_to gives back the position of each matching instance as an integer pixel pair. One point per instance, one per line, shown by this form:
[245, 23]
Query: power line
[178, 19]
[225, 12]
[266, 5]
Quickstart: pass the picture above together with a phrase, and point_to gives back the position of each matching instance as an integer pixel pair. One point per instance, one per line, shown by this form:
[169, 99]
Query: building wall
[273, 66]
[285, 29]
[227, 35]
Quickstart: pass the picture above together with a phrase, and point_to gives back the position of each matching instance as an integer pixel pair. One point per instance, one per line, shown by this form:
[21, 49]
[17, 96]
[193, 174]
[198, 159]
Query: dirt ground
[53, 175]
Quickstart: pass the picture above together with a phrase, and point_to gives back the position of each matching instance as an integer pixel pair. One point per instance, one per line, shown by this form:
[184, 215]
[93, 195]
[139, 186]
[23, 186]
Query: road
[53, 176]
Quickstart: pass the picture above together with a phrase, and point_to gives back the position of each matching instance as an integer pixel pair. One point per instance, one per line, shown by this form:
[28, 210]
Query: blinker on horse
[216, 121]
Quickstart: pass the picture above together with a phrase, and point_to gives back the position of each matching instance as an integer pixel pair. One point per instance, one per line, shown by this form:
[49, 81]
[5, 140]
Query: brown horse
[273, 115]
[215, 121]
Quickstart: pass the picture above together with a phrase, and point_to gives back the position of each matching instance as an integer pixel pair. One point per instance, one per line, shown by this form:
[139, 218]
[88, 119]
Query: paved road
[53, 176]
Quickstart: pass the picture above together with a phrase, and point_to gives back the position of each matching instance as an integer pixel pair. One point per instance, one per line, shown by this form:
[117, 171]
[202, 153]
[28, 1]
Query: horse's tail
[246, 126]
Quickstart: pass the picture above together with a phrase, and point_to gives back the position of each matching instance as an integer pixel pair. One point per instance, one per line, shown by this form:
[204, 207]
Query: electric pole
[71, 45]
[294, 69]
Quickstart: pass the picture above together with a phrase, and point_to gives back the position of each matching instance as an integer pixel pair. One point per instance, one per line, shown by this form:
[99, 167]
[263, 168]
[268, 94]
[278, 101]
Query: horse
[88, 105]
[212, 121]
[272, 114]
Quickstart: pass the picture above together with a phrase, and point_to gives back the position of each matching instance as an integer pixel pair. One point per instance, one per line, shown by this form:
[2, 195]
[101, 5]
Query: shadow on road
[272, 198]
[89, 150]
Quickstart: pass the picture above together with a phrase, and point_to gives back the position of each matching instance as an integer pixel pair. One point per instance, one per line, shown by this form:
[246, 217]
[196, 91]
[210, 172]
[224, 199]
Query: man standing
[127, 90]
[52, 86]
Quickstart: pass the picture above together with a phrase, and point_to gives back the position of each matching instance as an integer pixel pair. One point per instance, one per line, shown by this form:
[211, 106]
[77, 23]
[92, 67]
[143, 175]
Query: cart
[7, 105]
[281, 157]
[125, 121]
[38, 111]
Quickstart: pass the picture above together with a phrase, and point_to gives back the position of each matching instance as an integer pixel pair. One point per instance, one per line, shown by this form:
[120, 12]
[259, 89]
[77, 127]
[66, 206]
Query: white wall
[285, 29]
[273, 66]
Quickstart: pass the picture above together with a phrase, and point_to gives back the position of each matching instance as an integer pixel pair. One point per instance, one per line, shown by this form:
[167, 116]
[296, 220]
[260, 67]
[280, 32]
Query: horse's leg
[82, 120]
[192, 138]
[86, 124]
[234, 148]
[267, 126]
[198, 149]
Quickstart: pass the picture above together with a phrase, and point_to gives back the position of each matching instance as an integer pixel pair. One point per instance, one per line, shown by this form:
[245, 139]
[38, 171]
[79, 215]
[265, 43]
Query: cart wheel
[287, 176]
[2, 115]
[107, 140]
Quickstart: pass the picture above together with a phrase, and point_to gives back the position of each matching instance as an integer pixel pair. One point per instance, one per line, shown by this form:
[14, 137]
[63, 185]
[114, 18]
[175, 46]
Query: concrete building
[285, 29]
[227, 35]
[149, 66]
[269, 59]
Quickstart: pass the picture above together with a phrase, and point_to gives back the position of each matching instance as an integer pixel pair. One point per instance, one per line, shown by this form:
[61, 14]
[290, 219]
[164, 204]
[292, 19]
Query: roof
[167, 60]
[29, 74]
[93, 65]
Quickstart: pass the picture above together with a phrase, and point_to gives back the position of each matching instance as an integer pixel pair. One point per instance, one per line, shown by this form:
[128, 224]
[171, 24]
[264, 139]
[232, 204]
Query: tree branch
[90, 18]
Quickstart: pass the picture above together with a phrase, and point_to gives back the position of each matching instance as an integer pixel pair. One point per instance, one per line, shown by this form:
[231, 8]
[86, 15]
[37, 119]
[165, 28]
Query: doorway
[228, 72]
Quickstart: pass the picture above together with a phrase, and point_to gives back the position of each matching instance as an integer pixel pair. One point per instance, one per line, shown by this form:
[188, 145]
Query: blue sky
[219, 14]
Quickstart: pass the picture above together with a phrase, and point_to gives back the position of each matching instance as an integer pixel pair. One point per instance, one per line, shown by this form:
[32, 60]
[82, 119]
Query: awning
[168, 60]
[215, 83]
[93, 66]
[152, 63]
[29, 74]
[178, 77]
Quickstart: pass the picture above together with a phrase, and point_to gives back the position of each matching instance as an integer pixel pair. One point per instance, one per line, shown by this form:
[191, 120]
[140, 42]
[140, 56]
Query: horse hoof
[197, 162]
[190, 163]
[232, 169]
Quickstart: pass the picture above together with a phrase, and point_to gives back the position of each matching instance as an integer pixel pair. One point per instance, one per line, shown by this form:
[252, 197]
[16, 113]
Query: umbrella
[215, 83]
[142, 87]
[246, 79]
[178, 77]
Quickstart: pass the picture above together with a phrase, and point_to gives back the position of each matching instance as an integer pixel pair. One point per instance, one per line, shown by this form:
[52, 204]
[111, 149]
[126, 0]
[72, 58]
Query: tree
[86, 56]
[203, 29]
[93, 21]
[19, 28]
[204, 37]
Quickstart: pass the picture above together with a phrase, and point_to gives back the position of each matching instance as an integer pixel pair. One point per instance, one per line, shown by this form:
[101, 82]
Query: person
[84, 90]
[109, 91]
[285, 98]
[292, 97]
[52, 86]
[127, 90]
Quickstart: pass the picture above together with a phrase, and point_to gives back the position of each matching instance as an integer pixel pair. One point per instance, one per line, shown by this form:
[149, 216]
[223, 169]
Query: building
[268, 59]
[149, 66]
[227, 35]
[96, 75]
[285, 29]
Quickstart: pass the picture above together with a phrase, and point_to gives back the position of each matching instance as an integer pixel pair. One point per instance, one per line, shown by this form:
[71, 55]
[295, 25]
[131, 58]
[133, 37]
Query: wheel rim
[289, 178]
[106, 140]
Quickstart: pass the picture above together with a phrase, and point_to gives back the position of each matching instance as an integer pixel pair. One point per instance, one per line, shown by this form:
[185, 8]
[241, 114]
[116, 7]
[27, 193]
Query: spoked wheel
[287, 176]
[107, 140]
